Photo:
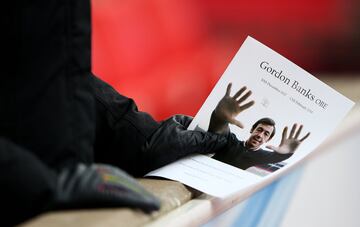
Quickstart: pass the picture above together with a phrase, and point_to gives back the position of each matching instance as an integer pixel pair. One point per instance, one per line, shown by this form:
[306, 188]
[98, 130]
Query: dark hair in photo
[265, 121]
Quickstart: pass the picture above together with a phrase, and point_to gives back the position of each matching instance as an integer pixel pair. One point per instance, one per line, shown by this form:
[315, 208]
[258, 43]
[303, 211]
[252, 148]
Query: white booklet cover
[282, 92]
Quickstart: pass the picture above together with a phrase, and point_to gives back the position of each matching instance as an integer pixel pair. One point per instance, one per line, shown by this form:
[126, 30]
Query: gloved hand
[172, 141]
[100, 185]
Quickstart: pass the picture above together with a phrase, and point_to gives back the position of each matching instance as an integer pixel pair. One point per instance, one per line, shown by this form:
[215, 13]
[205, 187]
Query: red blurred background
[168, 55]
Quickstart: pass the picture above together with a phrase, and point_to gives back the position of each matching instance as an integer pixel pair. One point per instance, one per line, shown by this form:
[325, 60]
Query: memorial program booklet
[282, 93]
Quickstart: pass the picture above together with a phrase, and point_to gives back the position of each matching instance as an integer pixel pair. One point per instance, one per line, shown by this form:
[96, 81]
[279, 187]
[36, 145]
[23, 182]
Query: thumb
[237, 123]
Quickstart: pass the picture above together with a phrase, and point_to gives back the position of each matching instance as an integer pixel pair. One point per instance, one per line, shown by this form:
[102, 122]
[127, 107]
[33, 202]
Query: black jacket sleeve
[135, 142]
[121, 129]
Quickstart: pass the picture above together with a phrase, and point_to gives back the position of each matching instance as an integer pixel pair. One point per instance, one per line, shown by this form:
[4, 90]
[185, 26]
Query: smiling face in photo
[260, 135]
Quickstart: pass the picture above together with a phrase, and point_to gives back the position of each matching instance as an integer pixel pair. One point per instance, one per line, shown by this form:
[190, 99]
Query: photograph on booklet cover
[249, 153]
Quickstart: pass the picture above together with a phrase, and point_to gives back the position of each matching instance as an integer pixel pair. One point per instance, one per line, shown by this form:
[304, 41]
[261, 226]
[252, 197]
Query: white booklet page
[282, 92]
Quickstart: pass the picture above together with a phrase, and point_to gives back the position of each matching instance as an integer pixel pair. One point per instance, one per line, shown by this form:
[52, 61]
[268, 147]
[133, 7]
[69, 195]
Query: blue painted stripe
[255, 207]
[280, 199]
[268, 206]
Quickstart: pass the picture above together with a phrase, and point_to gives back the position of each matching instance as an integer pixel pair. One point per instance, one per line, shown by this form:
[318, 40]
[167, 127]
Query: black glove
[172, 141]
[100, 185]
[30, 187]
[27, 184]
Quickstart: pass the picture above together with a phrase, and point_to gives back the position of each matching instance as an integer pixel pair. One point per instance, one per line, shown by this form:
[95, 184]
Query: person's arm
[290, 143]
[135, 142]
[237, 155]
[227, 109]
[266, 157]
[172, 141]
[120, 129]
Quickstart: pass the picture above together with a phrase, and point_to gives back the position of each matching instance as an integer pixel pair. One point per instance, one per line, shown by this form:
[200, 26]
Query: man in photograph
[248, 153]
